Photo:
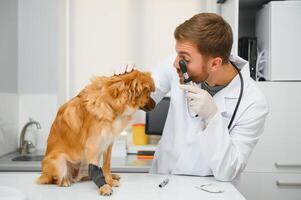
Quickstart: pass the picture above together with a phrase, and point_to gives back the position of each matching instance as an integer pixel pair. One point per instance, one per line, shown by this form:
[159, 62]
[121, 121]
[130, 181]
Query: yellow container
[138, 134]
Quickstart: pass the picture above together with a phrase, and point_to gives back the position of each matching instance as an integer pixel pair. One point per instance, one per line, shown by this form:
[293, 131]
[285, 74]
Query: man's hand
[124, 69]
[200, 102]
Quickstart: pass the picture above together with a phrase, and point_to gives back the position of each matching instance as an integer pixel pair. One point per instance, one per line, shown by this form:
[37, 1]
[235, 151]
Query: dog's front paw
[115, 177]
[112, 182]
[64, 182]
[105, 190]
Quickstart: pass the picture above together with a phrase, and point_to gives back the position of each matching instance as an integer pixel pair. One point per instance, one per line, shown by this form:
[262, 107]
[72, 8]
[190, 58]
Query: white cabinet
[274, 168]
[275, 186]
[281, 140]
[278, 31]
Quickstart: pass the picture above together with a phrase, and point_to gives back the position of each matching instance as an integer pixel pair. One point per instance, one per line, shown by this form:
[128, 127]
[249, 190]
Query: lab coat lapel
[227, 98]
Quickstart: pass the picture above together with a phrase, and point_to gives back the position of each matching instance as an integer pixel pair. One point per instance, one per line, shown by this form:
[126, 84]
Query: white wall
[102, 35]
[99, 39]
[156, 21]
[106, 35]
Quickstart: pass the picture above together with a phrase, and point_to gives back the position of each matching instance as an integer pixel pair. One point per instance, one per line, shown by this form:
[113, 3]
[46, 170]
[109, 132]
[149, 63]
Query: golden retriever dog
[86, 126]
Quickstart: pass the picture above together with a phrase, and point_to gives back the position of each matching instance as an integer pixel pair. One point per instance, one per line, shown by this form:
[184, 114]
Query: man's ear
[215, 63]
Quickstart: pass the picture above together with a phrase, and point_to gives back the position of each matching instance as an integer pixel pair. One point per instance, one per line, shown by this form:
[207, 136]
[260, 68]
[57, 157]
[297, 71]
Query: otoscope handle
[187, 81]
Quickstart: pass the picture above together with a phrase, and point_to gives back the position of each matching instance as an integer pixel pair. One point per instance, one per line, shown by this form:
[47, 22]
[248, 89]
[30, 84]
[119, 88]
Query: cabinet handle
[279, 165]
[286, 183]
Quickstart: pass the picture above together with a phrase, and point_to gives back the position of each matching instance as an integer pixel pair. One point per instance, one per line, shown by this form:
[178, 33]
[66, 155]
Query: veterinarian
[198, 138]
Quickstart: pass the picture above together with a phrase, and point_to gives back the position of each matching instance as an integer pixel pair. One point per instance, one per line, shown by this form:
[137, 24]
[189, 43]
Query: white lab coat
[188, 147]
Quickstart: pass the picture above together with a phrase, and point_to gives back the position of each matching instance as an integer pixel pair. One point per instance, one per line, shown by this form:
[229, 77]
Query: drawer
[274, 155]
[276, 186]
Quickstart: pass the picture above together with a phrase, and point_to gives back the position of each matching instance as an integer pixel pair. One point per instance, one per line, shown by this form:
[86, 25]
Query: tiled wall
[15, 111]
[8, 122]
[41, 108]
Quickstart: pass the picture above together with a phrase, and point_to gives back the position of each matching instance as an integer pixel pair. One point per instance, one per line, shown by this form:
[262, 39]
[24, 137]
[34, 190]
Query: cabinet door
[285, 40]
[254, 186]
[229, 11]
[278, 149]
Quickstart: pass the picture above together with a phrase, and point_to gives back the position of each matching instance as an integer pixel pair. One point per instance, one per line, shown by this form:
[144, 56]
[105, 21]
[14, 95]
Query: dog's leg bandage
[96, 175]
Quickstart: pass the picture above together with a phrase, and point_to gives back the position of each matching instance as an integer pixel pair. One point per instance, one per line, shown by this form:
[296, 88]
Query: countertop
[133, 186]
[130, 163]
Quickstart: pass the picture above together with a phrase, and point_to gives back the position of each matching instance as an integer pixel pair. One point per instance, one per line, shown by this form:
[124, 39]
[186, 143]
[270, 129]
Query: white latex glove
[200, 102]
[124, 69]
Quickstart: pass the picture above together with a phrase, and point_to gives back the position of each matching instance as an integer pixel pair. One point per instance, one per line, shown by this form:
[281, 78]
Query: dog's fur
[85, 127]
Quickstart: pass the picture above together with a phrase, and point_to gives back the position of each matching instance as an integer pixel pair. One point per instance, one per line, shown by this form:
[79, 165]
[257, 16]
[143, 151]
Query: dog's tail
[44, 179]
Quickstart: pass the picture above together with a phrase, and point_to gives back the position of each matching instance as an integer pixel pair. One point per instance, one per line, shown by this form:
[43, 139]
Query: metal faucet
[26, 146]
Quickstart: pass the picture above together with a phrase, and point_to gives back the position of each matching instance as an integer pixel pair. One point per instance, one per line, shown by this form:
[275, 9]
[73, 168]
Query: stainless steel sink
[28, 158]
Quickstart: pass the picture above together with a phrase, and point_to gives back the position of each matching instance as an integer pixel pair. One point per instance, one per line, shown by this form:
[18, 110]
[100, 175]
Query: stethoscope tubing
[240, 96]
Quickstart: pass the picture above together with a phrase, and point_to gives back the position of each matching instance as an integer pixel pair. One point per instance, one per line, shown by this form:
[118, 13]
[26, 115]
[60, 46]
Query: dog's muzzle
[150, 105]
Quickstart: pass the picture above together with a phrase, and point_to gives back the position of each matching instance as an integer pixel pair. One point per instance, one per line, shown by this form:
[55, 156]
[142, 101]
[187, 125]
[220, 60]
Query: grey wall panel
[38, 46]
[8, 46]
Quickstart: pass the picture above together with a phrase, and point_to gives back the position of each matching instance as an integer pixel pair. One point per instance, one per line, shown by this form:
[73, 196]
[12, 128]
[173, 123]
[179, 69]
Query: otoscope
[187, 81]
[183, 68]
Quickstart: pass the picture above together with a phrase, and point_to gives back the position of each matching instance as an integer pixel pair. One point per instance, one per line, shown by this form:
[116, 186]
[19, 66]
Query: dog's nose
[150, 105]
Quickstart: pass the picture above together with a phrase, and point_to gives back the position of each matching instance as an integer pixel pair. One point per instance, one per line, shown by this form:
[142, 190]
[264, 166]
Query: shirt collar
[232, 90]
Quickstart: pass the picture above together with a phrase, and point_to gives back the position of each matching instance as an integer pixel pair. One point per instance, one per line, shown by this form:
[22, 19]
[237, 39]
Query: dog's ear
[116, 87]
[136, 88]
[150, 81]
[143, 83]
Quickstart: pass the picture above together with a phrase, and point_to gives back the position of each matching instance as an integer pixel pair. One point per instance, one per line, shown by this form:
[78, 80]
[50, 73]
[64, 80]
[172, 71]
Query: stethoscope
[188, 80]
